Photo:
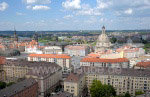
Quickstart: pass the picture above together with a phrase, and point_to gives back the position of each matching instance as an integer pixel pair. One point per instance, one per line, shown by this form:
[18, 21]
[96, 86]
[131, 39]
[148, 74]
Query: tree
[113, 39]
[127, 95]
[139, 93]
[99, 90]
[2, 85]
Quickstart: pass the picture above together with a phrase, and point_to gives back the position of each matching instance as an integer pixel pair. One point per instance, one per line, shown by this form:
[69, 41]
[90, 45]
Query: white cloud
[37, 1]
[87, 10]
[68, 16]
[29, 7]
[72, 4]
[103, 5]
[19, 13]
[128, 11]
[40, 7]
[3, 6]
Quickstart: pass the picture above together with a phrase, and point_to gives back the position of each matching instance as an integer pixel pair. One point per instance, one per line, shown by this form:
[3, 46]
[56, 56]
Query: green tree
[127, 95]
[2, 85]
[99, 90]
[139, 93]
[113, 39]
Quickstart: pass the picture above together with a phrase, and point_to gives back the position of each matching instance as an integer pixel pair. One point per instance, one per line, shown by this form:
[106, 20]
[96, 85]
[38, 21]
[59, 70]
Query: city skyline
[43, 15]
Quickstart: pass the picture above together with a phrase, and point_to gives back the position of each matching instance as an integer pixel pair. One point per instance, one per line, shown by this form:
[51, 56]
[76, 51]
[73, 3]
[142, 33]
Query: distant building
[143, 65]
[103, 43]
[62, 60]
[131, 52]
[25, 88]
[35, 37]
[33, 47]
[75, 84]
[76, 50]
[101, 62]
[52, 50]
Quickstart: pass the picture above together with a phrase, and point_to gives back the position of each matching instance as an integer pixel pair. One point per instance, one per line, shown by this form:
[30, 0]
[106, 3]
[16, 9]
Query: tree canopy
[99, 90]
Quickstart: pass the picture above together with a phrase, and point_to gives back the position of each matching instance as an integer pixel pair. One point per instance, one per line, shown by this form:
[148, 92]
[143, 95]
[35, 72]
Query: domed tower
[103, 42]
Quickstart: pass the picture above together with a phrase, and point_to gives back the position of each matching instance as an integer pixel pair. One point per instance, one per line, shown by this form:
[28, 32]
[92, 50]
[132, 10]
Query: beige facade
[125, 80]
[75, 84]
[52, 50]
[14, 72]
[62, 60]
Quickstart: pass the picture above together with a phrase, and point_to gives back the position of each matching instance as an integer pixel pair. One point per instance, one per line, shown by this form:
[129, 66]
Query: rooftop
[15, 88]
[64, 56]
[115, 71]
[143, 64]
[93, 59]
[74, 77]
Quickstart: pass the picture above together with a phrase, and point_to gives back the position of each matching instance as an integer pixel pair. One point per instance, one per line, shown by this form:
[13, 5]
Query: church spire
[103, 29]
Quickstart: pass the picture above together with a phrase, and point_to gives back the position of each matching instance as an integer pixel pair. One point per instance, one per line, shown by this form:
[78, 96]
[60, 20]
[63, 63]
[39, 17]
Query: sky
[44, 15]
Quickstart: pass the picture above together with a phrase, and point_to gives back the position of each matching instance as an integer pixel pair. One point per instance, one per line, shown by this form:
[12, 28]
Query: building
[46, 74]
[134, 61]
[75, 84]
[25, 88]
[131, 52]
[103, 43]
[76, 50]
[143, 65]
[52, 50]
[62, 60]
[123, 80]
[33, 47]
[63, 94]
[101, 62]
[2, 72]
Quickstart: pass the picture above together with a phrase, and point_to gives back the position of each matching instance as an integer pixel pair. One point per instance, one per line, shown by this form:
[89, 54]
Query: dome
[103, 42]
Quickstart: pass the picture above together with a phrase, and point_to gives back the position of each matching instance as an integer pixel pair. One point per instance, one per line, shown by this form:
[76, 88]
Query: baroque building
[103, 42]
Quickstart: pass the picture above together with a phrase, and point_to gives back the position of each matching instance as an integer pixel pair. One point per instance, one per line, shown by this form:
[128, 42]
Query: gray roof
[43, 68]
[115, 71]
[15, 88]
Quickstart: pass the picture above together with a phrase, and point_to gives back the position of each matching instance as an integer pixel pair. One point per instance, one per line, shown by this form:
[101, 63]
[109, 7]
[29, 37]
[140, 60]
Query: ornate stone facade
[103, 42]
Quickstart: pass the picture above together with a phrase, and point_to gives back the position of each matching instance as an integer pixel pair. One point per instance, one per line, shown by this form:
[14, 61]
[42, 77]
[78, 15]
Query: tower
[15, 35]
[35, 37]
[103, 29]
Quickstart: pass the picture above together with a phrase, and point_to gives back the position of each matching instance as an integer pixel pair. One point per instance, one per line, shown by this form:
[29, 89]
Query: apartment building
[2, 75]
[77, 50]
[48, 78]
[75, 84]
[101, 62]
[62, 60]
[46, 74]
[25, 88]
[123, 80]
[131, 52]
[52, 50]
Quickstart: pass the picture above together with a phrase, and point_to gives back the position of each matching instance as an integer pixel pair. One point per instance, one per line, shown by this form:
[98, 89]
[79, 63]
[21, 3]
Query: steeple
[15, 35]
[103, 29]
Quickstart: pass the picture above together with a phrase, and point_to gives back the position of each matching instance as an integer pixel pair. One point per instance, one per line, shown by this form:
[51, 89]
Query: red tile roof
[118, 60]
[64, 56]
[143, 64]
[2, 60]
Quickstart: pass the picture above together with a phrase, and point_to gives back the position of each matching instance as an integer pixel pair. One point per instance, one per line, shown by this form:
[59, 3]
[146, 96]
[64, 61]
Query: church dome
[103, 42]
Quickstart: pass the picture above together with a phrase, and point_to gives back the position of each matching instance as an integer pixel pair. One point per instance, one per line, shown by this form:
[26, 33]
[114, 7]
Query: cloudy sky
[74, 14]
